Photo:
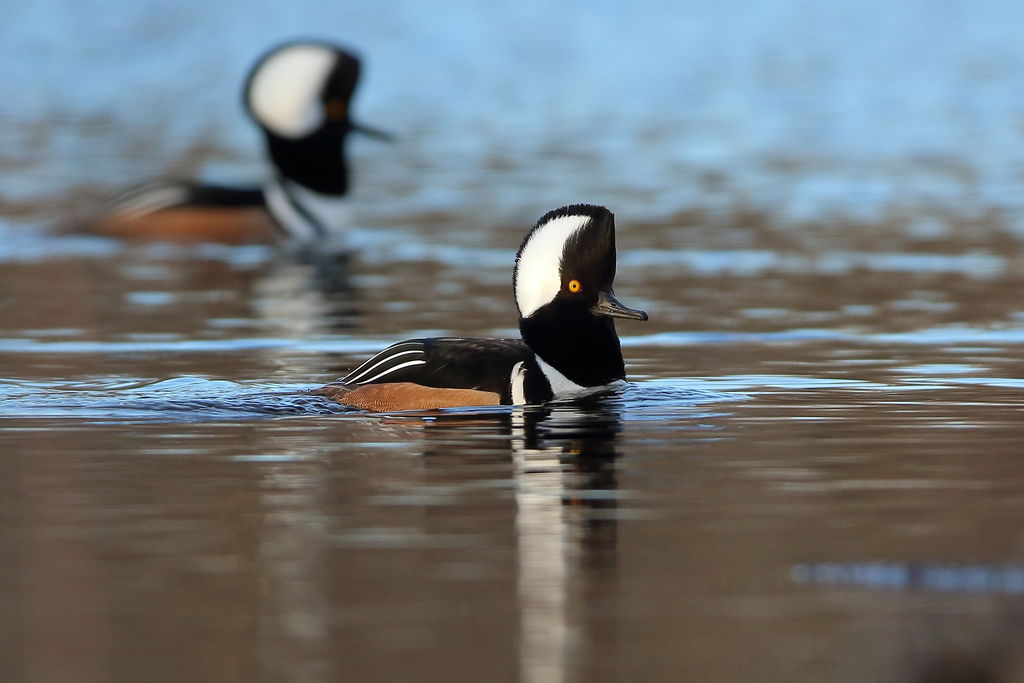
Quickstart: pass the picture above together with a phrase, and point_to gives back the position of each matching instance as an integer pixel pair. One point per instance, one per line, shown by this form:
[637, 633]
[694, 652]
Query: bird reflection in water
[304, 293]
[565, 475]
[565, 480]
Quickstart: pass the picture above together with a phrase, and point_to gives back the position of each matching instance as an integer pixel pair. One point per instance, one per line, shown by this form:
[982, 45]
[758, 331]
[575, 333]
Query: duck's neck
[583, 348]
[317, 161]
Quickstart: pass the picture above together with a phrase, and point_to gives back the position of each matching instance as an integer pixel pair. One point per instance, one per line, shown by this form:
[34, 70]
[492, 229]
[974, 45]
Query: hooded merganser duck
[563, 287]
[298, 94]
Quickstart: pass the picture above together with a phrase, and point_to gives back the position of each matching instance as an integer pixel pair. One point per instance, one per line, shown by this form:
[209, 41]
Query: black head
[299, 93]
[565, 270]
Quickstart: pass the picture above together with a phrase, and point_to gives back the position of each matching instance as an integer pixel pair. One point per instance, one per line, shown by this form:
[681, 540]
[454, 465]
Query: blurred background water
[820, 205]
[803, 112]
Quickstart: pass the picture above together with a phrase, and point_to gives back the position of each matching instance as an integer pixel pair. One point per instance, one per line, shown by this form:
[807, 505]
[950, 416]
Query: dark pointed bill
[608, 305]
[370, 131]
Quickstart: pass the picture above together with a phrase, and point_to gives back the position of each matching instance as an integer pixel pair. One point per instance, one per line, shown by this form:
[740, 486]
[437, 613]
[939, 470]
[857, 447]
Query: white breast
[306, 215]
[564, 388]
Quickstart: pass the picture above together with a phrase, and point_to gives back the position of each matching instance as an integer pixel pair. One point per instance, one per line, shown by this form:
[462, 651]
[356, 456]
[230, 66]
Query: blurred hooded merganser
[563, 286]
[299, 95]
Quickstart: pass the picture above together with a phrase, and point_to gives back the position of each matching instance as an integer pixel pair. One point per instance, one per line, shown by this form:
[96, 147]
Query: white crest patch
[284, 92]
[538, 276]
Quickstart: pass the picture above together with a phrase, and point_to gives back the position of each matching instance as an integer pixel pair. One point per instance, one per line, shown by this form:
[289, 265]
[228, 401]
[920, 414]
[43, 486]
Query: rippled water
[814, 475]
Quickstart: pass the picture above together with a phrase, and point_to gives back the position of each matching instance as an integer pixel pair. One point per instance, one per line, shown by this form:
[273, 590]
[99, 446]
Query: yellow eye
[575, 286]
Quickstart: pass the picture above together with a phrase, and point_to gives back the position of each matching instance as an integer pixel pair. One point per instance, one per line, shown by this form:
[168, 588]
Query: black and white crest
[291, 89]
[575, 242]
[299, 94]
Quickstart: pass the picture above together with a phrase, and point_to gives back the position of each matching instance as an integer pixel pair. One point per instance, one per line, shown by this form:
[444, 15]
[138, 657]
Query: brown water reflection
[300, 553]
[574, 544]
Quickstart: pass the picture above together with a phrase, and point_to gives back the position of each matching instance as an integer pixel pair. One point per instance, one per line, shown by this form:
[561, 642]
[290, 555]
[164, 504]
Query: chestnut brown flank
[230, 225]
[384, 398]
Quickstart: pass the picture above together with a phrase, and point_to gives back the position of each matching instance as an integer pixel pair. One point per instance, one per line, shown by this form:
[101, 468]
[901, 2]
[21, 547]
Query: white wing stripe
[518, 382]
[369, 365]
[152, 200]
[394, 369]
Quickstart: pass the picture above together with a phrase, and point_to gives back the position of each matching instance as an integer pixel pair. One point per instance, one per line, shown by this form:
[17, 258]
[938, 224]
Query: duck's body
[188, 212]
[436, 372]
[299, 95]
[569, 348]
